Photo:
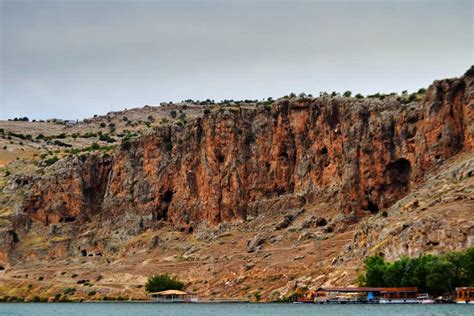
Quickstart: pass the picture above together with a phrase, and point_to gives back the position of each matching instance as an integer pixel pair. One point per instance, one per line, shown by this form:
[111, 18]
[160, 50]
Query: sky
[72, 59]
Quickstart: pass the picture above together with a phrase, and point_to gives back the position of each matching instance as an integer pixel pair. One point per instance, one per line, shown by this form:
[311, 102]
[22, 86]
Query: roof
[369, 289]
[169, 292]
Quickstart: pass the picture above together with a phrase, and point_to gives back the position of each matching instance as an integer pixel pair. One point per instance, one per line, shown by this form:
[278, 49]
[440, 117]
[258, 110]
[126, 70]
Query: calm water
[147, 309]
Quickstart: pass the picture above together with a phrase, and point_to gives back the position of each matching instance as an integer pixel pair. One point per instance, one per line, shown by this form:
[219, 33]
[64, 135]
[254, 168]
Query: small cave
[283, 155]
[90, 194]
[220, 157]
[14, 236]
[69, 219]
[167, 197]
[2, 268]
[372, 207]
[398, 173]
[323, 151]
[21, 181]
[84, 253]
[162, 210]
[279, 190]
[332, 117]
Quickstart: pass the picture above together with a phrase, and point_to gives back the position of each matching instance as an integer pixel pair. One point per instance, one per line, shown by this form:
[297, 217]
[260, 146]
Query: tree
[359, 96]
[374, 271]
[163, 282]
[440, 277]
[173, 114]
[347, 94]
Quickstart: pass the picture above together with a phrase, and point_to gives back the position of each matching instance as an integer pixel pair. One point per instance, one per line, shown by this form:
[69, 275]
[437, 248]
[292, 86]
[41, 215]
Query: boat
[425, 299]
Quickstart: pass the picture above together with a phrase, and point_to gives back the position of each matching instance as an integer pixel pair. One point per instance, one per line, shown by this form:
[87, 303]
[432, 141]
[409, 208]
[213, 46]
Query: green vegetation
[20, 136]
[51, 161]
[163, 282]
[125, 145]
[430, 273]
[106, 138]
[69, 290]
[257, 295]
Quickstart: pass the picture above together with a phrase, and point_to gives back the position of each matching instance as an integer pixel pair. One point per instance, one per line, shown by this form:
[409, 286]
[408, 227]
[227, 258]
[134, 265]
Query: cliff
[351, 158]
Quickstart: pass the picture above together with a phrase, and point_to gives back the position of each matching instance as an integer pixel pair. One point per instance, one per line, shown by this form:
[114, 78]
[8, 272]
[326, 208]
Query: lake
[149, 309]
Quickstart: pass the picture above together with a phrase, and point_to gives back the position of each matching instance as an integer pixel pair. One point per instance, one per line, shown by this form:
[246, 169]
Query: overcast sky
[74, 59]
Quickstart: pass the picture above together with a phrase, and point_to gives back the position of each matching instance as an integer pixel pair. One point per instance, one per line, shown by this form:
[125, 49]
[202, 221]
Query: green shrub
[347, 94]
[106, 138]
[51, 161]
[69, 290]
[207, 111]
[17, 135]
[163, 282]
[94, 146]
[412, 97]
[359, 96]
[173, 114]
[257, 295]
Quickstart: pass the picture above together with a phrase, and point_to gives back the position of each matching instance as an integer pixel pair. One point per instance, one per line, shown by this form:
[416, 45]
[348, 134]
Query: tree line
[434, 274]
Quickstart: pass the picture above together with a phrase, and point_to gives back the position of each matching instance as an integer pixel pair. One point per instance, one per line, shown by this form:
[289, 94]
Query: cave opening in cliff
[162, 211]
[283, 155]
[398, 173]
[69, 219]
[372, 207]
[220, 157]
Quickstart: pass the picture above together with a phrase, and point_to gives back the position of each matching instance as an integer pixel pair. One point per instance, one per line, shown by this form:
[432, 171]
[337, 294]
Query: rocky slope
[306, 168]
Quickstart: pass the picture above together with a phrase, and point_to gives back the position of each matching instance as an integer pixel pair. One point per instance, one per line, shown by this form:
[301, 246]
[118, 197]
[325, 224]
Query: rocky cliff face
[235, 163]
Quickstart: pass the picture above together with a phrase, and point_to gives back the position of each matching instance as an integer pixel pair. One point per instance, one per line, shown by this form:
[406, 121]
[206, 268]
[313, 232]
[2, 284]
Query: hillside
[236, 197]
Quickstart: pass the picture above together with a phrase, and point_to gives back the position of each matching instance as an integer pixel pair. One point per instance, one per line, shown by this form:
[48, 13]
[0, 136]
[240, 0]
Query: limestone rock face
[71, 190]
[235, 163]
